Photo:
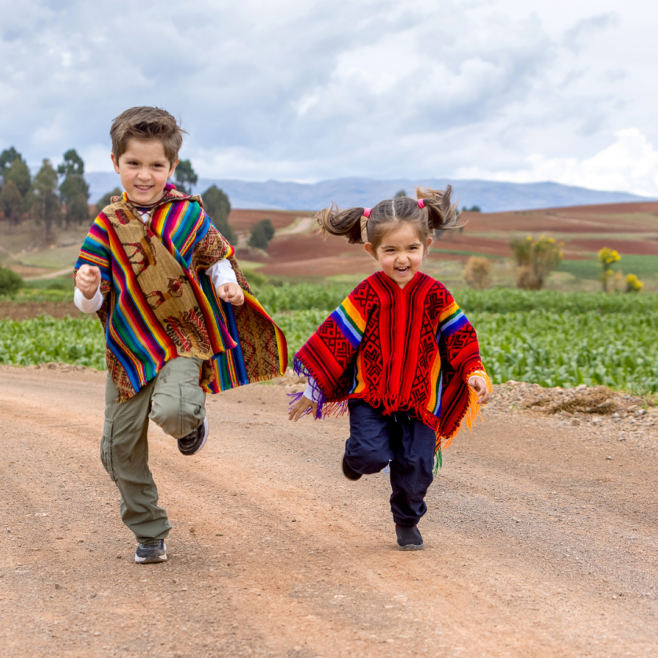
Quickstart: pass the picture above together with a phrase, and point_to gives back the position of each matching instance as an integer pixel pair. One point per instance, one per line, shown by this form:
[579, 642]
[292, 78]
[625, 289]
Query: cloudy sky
[518, 90]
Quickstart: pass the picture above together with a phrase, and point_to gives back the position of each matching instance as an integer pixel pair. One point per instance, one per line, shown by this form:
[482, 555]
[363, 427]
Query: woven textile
[160, 304]
[408, 348]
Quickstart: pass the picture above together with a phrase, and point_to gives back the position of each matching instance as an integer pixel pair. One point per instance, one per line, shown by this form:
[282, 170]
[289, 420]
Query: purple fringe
[300, 370]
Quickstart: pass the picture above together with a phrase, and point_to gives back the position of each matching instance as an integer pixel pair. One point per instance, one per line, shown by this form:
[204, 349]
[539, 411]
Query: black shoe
[348, 472]
[195, 440]
[409, 538]
[152, 552]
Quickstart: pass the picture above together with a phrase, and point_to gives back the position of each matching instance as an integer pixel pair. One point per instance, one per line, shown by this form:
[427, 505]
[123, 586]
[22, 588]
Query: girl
[398, 352]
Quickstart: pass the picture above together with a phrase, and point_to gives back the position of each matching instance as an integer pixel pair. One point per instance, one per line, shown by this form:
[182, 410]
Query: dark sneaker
[409, 538]
[151, 552]
[195, 440]
[348, 472]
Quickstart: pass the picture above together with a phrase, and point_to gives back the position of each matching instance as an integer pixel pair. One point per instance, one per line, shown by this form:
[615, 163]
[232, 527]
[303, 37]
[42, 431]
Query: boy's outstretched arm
[88, 280]
[231, 293]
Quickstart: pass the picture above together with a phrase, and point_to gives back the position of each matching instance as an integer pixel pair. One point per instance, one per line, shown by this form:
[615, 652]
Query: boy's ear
[115, 163]
[173, 169]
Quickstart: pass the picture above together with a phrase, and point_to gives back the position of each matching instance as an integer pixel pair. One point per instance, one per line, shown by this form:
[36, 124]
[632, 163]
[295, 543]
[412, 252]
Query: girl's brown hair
[147, 123]
[438, 213]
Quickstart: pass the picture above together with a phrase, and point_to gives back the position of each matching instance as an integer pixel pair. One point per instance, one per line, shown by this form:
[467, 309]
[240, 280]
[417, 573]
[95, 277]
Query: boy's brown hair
[146, 123]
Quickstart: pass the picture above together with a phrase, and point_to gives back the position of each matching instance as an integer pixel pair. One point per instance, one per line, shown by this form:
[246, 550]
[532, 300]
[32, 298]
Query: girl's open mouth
[402, 270]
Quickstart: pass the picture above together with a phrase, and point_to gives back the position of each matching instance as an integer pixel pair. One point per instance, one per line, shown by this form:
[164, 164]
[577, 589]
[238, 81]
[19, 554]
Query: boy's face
[144, 170]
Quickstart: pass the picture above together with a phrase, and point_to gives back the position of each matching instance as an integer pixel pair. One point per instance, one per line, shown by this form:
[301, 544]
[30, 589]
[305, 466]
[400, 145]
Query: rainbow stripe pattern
[136, 342]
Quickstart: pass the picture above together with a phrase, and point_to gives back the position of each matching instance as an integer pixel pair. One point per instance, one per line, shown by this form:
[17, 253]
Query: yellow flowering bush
[607, 257]
[633, 284]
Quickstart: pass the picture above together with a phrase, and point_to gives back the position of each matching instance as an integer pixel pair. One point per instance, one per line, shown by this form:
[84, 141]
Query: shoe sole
[154, 559]
[206, 431]
[352, 478]
[412, 547]
[150, 560]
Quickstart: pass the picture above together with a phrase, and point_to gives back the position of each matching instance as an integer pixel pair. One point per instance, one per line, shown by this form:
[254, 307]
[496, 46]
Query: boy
[179, 317]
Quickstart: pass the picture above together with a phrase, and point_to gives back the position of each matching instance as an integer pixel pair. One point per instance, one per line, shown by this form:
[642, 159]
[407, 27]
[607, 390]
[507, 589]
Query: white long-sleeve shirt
[220, 273]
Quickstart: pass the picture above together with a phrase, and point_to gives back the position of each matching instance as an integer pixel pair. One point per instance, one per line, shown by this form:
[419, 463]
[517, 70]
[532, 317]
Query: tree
[218, 207]
[74, 191]
[185, 175]
[261, 234]
[106, 199]
[19, 173]
[7, 157]
[400, 193]
[73, 164]
[535, 259]
[46, 206]
[11, 202]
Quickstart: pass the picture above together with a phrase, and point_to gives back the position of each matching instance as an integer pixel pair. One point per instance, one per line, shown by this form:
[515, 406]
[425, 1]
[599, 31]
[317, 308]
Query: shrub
[535, 259]
[633, 284]
[261, 234]
[477, 271]
[10, 282]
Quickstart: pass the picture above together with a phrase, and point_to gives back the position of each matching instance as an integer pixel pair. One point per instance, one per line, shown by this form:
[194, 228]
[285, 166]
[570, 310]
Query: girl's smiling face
[400, 252]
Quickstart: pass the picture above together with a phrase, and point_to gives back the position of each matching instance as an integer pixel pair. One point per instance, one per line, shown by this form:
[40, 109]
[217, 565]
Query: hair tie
[366, 212]
[421, 203]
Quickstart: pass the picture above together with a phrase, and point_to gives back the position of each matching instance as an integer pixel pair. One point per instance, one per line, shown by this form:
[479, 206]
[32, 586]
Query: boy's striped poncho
[160, 304]
[408, 348]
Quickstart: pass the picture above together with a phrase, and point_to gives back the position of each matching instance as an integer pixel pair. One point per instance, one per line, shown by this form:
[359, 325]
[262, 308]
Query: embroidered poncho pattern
[408, 348]
[159, 303]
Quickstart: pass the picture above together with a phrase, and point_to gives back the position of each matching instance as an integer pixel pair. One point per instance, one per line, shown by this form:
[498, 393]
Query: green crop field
[550, 338]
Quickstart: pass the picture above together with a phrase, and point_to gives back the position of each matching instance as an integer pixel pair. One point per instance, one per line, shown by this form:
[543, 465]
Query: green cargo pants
[174, 401]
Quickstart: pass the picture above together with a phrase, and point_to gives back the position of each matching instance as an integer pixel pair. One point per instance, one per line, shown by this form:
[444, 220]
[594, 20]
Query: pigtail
[333, 221]
[441, 213]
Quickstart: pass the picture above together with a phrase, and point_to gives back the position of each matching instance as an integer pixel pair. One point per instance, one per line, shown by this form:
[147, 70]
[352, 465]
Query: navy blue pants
[405, 442]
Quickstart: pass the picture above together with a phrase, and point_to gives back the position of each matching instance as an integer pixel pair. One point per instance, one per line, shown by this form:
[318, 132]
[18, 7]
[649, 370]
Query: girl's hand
[480, 387]
[87, 280]
[231, 293]
[301, 407]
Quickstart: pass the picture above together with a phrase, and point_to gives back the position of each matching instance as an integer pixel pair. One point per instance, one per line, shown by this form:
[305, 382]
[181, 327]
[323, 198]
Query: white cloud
[311, 89]
[629, 164]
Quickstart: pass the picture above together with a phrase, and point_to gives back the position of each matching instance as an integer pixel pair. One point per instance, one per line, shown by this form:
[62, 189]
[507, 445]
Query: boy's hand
[87, 280]
[231, 293]
[301, 407]
[480, 387]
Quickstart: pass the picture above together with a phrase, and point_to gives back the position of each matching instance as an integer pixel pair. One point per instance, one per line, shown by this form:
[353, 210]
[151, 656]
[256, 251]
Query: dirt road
[542, 539]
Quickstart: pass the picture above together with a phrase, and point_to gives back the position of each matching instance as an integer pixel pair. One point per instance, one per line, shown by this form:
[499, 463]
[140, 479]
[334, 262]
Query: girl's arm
[479, 384]
[327, 357]
[460, 346]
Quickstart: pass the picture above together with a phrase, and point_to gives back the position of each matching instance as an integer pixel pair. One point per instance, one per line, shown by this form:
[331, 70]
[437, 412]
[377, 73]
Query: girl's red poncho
[407, 348]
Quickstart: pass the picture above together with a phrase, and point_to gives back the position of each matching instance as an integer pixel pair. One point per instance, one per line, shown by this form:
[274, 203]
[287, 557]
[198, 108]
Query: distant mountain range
[490, 196]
